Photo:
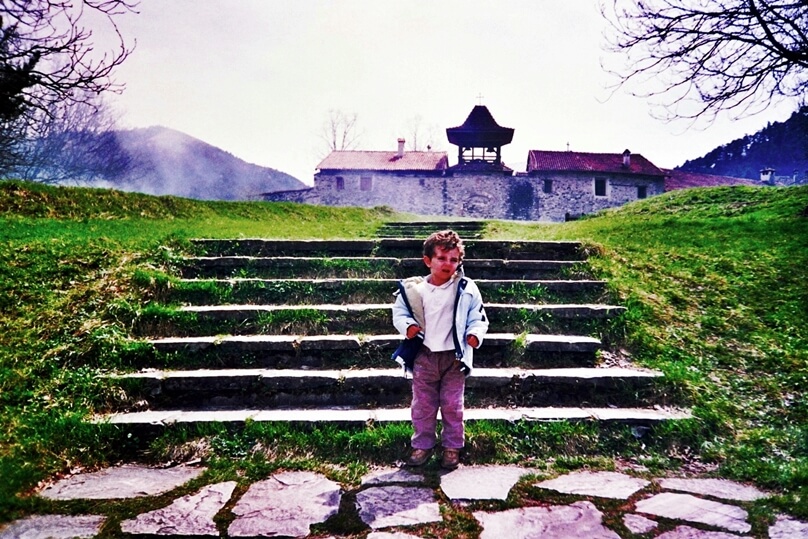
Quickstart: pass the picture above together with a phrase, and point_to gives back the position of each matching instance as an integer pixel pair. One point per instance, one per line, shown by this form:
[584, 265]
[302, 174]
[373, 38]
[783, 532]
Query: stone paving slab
[717, 488]
[127, 481]
[686, 532]
[286, 504]
[601, 484]
[481, 482]
[190, 515]
[382, 507]
[693, 509]
[392, 475]
[391, 535]
[639, 524]
[788, 528]
[574, 521]
[54, 527]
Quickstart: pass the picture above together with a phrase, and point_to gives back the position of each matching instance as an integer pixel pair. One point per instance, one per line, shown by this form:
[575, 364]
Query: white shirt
[438, 313]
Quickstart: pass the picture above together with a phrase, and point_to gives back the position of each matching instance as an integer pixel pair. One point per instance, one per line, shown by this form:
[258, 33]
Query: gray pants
[438, 382]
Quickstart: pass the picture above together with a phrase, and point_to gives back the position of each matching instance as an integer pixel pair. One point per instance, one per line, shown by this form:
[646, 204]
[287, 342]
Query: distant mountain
[782, 146]
[162, 161]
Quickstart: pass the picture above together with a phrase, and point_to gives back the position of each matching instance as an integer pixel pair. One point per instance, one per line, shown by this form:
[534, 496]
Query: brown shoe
[418, 457]
[451, 459]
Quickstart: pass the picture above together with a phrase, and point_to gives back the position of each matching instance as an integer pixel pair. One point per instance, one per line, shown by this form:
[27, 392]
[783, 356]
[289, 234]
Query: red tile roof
[388, 161]
[679, 179]
[540, 160]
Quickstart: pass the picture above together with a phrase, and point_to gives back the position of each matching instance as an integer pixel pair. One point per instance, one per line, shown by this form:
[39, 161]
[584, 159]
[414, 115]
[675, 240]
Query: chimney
[626, 158]
[767, 175]
[400, 153]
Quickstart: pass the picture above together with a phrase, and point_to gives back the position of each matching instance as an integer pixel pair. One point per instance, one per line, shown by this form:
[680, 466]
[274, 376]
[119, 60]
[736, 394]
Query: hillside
[782, 146]
[161, 161]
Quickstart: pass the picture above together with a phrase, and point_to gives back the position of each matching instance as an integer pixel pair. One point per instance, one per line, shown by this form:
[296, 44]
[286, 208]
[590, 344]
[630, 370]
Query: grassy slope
[714, 280]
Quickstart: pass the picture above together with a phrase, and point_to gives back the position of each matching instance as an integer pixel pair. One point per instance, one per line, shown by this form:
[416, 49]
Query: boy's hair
[446, 240]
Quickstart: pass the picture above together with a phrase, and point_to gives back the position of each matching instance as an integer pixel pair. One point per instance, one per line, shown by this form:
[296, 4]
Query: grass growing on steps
[714, 281]
[67, 261]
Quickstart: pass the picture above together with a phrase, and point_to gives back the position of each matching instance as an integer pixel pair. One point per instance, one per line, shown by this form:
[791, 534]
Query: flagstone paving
[288, 504]
[55, 527]
[717, 488]
[576, 520]
[481, 482]
[189, 515]
[128, 481]
[638, 524]
[788, 528]
[693, 509]
[686, 532]
[601, 484]
[383, 507]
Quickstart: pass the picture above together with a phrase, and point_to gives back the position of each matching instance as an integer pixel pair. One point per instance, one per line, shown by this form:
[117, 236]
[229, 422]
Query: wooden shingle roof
[541, 160]
[480, 130]
[385, 161]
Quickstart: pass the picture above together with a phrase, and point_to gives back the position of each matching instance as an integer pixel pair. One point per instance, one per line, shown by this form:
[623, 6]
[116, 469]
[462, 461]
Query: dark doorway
[521, 198]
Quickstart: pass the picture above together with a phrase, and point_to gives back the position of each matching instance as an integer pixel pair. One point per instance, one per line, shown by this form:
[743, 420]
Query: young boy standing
[443, 319]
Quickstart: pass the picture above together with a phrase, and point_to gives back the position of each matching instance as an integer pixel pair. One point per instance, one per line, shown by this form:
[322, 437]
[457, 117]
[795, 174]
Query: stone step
[165, 418]
[422, 229]
[292, 343]
[243, 312]
[388, 247]
[285, 267]
[365, 351]
[369, 318]
[271, 388]
[495, 311]
[354, 290]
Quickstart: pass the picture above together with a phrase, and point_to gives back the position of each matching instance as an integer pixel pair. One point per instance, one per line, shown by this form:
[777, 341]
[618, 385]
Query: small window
[548, 186]
[340, 183]
[421, 182]
[365, 183]
[600, 187]
[642, 191]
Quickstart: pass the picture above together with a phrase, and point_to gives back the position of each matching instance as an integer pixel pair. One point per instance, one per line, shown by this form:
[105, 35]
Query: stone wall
[551, 197]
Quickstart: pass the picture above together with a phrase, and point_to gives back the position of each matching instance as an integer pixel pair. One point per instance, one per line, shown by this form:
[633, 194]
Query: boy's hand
[413, 330]
[473, 341]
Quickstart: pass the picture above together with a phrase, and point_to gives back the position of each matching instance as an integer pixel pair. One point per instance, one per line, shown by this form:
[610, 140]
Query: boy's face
[442, 265]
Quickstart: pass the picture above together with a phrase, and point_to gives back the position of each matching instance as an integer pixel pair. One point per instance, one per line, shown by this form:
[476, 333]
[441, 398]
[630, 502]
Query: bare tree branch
[339, 131]
[697, 58]
[421, 137]
[48, 60]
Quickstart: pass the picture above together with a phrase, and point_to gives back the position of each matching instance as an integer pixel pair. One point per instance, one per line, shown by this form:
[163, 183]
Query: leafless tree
[420, 137]
[339, 131]
[77, 145]
[701, 57]
[48, 60]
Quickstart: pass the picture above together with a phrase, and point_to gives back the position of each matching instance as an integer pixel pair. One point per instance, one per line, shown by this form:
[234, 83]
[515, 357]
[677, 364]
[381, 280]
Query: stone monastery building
[556, 186]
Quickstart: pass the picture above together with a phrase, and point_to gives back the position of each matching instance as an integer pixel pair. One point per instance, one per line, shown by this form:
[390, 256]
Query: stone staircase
[279, 330]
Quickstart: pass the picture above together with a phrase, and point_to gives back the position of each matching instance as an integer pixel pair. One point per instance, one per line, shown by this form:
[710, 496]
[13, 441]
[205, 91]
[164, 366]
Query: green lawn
[716, 282]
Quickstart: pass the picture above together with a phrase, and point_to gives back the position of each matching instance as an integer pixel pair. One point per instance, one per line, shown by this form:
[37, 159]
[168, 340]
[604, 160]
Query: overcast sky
[257, 78]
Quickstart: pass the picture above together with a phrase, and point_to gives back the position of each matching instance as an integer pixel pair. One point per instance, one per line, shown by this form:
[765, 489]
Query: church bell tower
[479, 142]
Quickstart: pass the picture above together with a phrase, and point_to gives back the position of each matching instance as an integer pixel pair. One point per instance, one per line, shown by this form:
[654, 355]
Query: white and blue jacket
[469, 319]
